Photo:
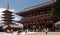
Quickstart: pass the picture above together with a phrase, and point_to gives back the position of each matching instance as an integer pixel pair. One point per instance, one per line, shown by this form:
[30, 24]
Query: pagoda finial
[7, 4]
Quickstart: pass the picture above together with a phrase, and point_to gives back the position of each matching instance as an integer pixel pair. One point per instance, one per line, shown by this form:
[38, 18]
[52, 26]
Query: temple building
[38, 17]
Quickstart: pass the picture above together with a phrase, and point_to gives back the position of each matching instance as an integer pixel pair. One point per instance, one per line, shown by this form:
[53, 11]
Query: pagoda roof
[8, 20]
[8, 17]
[7, 14]
[7, 11]
[37, 8]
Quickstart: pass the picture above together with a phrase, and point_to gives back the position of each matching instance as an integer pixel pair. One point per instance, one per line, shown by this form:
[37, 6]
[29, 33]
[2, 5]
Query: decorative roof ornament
[7, 5]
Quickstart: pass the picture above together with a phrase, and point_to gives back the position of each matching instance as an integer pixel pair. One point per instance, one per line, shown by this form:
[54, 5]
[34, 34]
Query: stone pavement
[31, 33]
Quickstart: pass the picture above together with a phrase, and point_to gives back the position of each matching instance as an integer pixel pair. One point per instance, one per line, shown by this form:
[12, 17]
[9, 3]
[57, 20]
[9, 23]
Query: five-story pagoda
[7, 17]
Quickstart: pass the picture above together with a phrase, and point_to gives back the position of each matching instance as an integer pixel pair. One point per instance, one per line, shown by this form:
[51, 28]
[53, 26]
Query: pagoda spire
[7, 5]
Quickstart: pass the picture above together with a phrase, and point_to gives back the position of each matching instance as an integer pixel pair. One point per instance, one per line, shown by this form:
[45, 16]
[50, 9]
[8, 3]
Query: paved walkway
[31, 33]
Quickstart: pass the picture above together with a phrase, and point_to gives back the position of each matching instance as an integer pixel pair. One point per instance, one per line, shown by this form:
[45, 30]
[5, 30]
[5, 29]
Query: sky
[20, 5]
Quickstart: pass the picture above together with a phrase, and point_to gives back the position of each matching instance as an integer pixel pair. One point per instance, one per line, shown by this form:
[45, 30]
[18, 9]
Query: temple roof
[7, 11]
[40, 7]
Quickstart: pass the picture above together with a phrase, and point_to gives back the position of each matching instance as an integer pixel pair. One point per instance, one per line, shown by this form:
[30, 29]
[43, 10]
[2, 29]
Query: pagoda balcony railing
[35, 17]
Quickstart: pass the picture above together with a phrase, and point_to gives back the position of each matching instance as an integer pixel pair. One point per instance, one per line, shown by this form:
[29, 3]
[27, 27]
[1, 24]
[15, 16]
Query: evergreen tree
[56, 10]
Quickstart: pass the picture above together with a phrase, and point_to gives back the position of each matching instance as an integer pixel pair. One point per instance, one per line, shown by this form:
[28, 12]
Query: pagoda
[7, 17]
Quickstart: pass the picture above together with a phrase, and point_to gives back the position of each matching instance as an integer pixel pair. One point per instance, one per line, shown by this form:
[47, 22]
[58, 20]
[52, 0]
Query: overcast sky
[19, 5]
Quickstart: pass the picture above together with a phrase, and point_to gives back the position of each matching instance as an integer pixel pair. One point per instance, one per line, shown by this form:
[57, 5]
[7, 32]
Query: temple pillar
[32, 26]
[45, 25]
[53, 26]
[37, 25]
[25, 26]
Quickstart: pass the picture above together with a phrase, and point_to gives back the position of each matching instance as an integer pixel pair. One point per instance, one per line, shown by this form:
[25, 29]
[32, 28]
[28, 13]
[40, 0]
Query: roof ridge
[37, 6]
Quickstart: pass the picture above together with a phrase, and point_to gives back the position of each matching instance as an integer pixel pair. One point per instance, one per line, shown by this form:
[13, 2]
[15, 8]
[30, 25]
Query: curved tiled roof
[40, 7]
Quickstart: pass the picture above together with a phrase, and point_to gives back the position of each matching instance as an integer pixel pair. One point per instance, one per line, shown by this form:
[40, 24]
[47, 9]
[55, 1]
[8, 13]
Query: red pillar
[53, 26]
[32, 25]
[44, 24]
[24, 26]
